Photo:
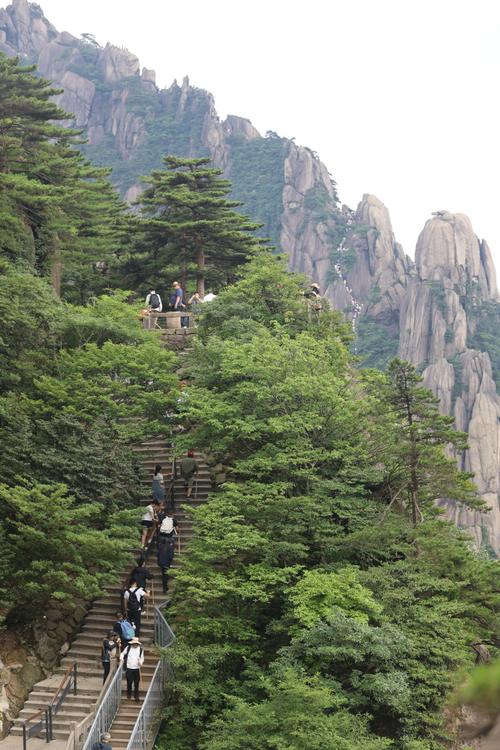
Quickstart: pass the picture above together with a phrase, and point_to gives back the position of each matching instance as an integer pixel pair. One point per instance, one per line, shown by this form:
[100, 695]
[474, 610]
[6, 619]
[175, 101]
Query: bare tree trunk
[200, 274]
[56, 264]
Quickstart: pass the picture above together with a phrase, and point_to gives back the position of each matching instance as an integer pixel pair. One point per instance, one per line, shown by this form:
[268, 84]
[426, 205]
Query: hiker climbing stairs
[152, 452]
[85, 650]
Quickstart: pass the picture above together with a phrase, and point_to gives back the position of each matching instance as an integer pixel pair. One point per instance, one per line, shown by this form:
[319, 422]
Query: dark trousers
[135, 619]
[106, 666]
[164, 579]
[133, 677]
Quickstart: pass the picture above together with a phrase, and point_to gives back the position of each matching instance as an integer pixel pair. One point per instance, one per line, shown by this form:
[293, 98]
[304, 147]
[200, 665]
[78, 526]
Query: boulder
[234, 125]
[117, 63]
[149, 76]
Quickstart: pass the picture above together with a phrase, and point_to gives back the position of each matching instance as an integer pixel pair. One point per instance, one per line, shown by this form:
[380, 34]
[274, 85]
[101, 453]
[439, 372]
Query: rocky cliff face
[436, 312]
[130, 125]
[455, 278]
[428, 313]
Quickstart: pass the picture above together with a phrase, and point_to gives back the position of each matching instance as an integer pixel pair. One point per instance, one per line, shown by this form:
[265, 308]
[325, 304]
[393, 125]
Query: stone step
[65, 713]
[58, 734]
[152, 442]
[37, 701]
[86, 647]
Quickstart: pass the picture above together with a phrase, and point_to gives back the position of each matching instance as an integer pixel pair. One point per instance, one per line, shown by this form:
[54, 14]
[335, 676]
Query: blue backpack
[128, 631]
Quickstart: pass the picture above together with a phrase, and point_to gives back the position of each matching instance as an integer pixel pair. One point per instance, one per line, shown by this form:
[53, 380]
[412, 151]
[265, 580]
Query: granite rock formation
[130, 124]
[429, 311]
[456, 277]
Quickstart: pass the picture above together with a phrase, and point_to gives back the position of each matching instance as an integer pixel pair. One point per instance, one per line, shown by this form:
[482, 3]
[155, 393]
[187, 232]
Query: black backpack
[154, 300]
[133, 603]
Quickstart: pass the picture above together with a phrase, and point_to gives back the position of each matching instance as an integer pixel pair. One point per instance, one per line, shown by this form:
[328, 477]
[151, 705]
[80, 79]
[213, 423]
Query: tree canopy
[188, 227]
[311, 609]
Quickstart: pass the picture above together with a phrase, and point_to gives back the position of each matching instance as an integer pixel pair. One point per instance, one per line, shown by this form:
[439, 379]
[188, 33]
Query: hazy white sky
[398, 98]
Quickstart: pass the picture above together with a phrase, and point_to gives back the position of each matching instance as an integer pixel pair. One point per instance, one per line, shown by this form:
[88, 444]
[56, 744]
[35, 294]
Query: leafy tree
[188, 227]
[314, 595]
[298, 713]
[303, 564]
[418, 470]
[55, 548]
[58, 214]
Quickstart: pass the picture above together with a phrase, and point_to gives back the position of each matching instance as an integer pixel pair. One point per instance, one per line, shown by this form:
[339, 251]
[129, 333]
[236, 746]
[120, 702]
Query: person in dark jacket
[104, 742]
[166, 550]
[141, 574]
[109, 647]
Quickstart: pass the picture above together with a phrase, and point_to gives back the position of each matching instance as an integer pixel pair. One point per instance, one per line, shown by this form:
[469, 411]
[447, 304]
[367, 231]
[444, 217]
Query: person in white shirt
[133, 659]
[148, 522]
[133, 598]
[155, 305]
[209, 297]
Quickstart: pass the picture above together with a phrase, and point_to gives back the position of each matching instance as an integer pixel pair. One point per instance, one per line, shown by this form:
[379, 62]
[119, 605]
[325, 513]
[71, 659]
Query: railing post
[48, 724]
[75, 675]
[143, 732]
[24, 736]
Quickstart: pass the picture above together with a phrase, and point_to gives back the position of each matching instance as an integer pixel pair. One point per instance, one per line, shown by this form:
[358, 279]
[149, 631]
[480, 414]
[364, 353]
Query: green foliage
[189, 227]
[417, 469]
[317, 592]
[266, 295]
[483, 688]
[77, 385]
[485, 337]
[296, 713]
[308, 596]
[321, 204]
[58, 215]
[257, 176]
[377, 344]
[56, 549]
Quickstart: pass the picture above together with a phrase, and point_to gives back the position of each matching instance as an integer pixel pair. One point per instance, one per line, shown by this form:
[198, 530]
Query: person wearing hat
[104, 742]
[133, 659]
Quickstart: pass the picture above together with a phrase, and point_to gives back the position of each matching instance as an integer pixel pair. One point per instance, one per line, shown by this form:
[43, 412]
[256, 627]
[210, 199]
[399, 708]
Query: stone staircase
[152, 452]
[86, 647]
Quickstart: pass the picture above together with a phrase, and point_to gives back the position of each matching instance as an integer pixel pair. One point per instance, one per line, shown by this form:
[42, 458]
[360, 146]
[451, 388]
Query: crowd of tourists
[177, 303]
[158, 525]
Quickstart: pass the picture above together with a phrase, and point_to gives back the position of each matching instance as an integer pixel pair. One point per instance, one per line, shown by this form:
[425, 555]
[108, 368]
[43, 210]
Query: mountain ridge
[435, 311]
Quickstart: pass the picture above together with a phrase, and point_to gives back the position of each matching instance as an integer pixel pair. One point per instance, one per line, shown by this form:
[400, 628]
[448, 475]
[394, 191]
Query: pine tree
[421, 471]
[188, 227]
[58, 214]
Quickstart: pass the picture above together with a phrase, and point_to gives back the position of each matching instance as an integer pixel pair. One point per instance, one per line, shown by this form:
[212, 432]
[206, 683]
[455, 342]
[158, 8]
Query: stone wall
[27, 659]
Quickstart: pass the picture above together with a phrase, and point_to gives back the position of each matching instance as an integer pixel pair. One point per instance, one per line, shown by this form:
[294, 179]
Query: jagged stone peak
[385, 251]
[116, 63]
[234, 125]
[24, 29]
[448, 248]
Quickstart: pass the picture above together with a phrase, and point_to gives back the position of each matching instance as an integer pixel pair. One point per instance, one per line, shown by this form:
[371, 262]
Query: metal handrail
[163, 633]
[80, 728]
[45, 724]
[107, 710]
[149, 719]
[64, 687]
